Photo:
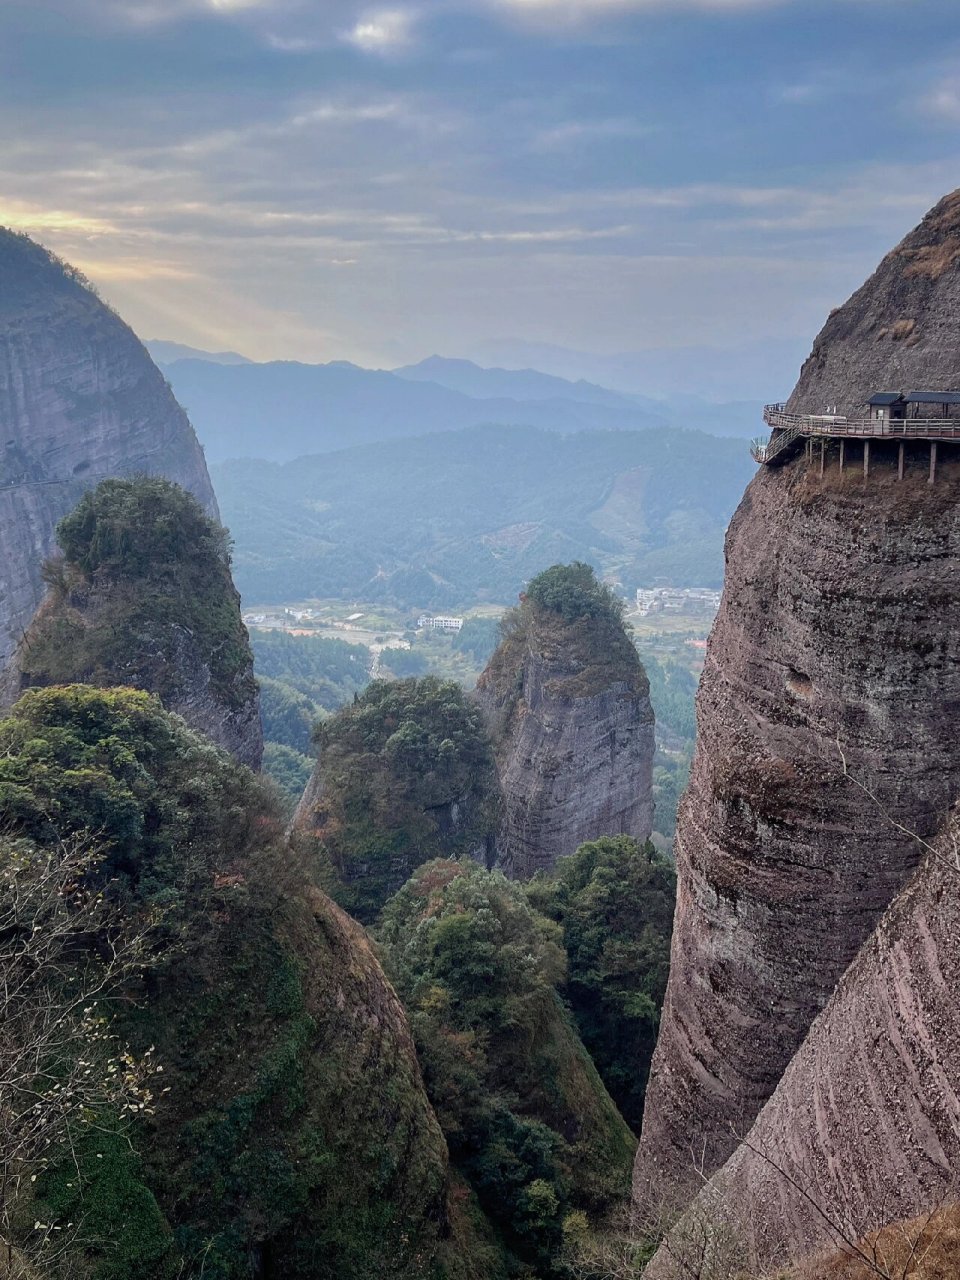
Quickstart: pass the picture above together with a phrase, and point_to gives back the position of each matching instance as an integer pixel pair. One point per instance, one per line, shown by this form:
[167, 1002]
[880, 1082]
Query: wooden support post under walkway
[900, 463]
[823, 449]
[933, 461]
[842, 444]
[866, 458]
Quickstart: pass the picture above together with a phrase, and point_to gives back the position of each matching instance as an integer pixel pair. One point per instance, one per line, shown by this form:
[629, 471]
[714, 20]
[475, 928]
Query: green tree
[406, 774]
[291, 1128]
[614, 901]
[289, 769]
[525, 1115]
[572, 591]
[288, 716]
[478, 637]
[324, 669]
[144, 577]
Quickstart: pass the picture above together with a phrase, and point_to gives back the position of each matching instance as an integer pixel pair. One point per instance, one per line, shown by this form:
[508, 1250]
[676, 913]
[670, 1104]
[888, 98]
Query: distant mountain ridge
[281, 410]
[517, 384]
[168, 352]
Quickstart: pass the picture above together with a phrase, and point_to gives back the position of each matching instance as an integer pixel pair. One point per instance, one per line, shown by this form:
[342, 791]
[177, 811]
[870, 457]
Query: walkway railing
[787, 427]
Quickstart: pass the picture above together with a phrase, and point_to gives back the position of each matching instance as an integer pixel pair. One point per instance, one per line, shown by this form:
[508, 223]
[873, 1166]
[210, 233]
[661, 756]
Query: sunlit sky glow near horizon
[378, 182]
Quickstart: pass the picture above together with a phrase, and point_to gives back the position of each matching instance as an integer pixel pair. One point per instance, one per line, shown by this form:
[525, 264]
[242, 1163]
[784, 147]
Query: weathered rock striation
[80, 399]
[899, 330]
[568, 705]
[838, 640]
[864, 1128]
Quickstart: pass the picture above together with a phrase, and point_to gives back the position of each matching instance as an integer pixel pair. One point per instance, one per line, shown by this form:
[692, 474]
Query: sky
[571, 180]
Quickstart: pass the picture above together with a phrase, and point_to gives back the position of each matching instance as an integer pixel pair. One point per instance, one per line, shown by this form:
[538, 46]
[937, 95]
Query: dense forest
[446, 519]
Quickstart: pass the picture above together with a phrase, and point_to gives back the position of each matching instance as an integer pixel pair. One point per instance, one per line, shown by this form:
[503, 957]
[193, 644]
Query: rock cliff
[80, 399]
[864, 1128]
[899, 330]
[838, 640]
[567, 702]
[143, 597]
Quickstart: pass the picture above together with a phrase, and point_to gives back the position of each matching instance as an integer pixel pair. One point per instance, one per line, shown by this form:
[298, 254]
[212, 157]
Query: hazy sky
[324, 179]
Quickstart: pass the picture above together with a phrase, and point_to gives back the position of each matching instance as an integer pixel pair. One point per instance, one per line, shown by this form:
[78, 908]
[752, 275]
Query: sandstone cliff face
[899, 331]
[839, 631]
[574, 740]
[838, 636]
[80, 399]
[865, 1124]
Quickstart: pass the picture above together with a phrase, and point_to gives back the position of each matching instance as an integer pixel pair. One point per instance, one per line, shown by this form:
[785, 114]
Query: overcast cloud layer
[321, 179]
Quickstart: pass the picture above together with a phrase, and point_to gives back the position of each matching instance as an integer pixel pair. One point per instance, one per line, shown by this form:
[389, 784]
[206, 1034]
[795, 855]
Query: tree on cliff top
[575, 624]
[406, 774]
[572, 591]
[527, 1120]
[143, 568]
[269, 1105]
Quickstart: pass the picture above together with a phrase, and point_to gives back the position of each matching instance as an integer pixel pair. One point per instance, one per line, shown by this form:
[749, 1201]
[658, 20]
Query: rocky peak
[567, 702]
[80, 400]
[142, 596]
[827, 735]
[899, 330]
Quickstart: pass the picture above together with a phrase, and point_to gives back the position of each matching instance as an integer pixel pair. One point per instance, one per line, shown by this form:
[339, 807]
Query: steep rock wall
[574, 739]
[80, 399]
[864, 1128]
[839, 631]
[837, 636]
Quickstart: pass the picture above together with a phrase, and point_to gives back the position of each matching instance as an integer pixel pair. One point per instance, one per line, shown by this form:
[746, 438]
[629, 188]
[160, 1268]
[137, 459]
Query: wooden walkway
[787, 427]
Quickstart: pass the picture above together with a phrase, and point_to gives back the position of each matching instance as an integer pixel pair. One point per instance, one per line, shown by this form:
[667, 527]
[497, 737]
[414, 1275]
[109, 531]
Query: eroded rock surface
[837, 647]
[899, 330]
[838, 637]
[569, 708]
[864, 1128]
[80, 399]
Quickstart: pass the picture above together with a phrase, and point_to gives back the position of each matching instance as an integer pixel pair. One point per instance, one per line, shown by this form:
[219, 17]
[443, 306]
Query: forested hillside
[471, 515]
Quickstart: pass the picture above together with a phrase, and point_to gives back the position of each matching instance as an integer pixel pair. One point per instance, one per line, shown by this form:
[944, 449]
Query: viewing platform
[888, 415]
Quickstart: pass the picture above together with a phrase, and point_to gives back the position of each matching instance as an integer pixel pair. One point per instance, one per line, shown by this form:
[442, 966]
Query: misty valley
[479, 754]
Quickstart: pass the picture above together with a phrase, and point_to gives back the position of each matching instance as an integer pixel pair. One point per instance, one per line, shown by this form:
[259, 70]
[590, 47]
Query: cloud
[578, 11]
[131, 269]
[942, 103]
[385, 31]
[19, 216]
[573, 132]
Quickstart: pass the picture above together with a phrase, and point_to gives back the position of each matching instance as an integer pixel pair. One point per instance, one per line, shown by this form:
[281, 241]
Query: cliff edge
[568, 705]
[830, 695]
[80, 399]
[899, 330]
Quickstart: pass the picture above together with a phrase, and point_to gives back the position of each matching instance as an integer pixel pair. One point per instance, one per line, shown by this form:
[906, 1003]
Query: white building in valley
[440, 623]
[677, 600]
